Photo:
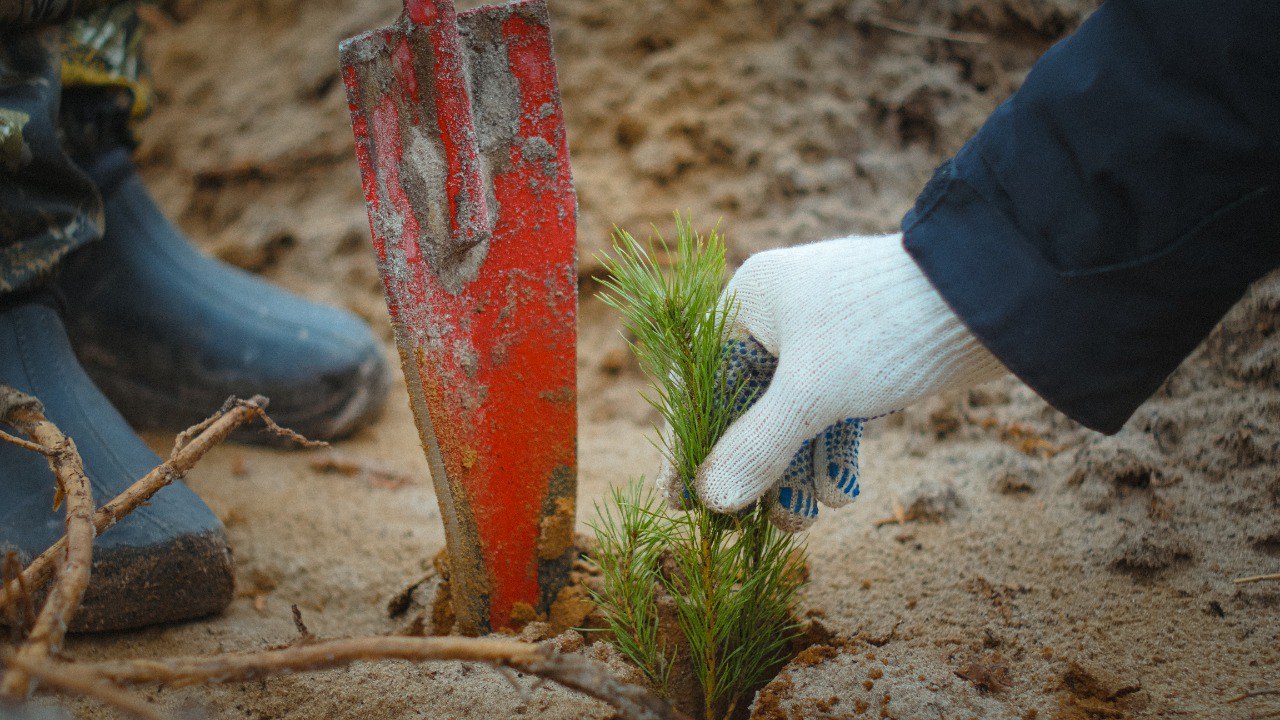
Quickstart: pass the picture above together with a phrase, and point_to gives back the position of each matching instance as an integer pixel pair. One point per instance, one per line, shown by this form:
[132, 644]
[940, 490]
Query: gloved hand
[849, 328]
[823, 469]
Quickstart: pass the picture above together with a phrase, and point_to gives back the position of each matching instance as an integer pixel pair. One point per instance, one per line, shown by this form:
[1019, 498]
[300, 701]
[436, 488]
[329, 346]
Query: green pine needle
[631, 532]
[736, 577]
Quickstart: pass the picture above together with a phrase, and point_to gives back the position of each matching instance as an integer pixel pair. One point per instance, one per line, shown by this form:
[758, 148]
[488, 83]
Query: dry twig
[900, 515]
[24, 444]
[27, 415]
[189, 447]
[241, 666]
[571, 671]
[591, 678]
[304, 633]
[1256, 578]
[20, 619]
[71, 680]
[1254, 694]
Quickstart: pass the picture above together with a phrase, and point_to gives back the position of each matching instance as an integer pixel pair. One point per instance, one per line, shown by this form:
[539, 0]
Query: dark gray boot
[169, 333]
[168, 560]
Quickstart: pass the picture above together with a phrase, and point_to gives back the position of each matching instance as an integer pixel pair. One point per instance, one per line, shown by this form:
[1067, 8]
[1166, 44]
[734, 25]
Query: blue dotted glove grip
[824, 469]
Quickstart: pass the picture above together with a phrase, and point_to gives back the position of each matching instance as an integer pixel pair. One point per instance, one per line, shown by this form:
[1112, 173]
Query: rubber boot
[168, 560]
[169, 333]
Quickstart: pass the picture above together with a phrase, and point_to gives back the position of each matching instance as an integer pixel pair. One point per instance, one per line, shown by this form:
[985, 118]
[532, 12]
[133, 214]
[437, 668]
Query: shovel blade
[473, 221]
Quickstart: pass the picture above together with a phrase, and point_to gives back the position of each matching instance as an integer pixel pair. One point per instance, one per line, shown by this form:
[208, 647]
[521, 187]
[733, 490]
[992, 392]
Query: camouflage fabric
[48, 207]
[65, 91]
[104, 49]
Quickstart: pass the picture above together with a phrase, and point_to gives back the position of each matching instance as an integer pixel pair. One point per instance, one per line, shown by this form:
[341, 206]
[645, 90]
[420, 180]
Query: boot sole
[191, 577]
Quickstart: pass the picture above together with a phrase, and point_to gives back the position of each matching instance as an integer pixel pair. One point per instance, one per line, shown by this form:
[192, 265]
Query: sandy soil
[1056, 573]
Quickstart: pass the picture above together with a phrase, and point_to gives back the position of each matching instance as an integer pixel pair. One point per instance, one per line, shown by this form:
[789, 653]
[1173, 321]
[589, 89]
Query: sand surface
[1055, 573]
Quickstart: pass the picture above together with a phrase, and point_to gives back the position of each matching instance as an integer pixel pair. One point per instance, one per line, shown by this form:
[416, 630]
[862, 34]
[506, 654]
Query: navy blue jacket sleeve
[1112, 210]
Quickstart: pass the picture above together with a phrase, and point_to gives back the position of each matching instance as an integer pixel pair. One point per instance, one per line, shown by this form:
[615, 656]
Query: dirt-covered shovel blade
[461, 143]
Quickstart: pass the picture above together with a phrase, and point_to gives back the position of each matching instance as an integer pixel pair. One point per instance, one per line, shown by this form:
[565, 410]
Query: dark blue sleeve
[1111, 211]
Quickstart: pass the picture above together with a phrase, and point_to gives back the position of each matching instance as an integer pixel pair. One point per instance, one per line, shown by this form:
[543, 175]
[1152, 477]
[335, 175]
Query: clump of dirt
[768, 704]
[556, 535]
[814, 655]
[931, 501]
[1083, 696]
[443, 618]
[522, 614]
[988, 672]
[573, 608]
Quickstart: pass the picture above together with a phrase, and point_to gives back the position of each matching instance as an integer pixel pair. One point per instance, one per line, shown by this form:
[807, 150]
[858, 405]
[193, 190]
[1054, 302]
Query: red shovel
[461, 143]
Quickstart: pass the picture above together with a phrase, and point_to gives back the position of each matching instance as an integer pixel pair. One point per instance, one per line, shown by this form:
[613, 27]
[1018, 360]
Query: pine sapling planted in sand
[730, 581]
[632, 533]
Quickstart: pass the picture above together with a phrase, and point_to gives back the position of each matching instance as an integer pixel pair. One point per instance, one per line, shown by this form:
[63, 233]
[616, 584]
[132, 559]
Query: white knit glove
[858, 332]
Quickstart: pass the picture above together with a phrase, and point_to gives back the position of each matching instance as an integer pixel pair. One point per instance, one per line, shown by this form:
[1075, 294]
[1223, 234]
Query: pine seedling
[736, 577]
[631, 531]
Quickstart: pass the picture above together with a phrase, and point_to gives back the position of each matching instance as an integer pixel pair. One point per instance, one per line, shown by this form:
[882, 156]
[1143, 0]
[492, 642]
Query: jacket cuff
[1010, 297]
